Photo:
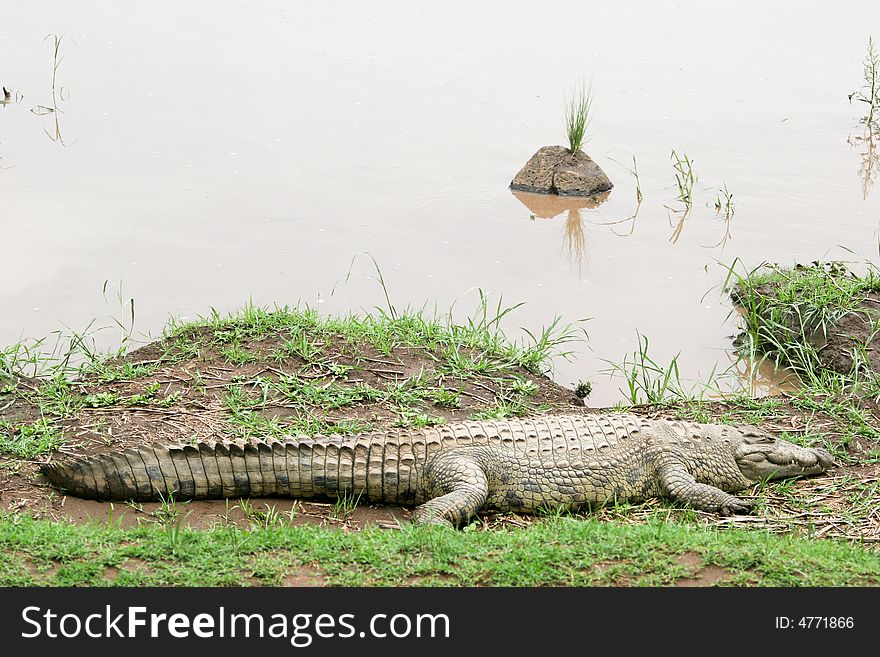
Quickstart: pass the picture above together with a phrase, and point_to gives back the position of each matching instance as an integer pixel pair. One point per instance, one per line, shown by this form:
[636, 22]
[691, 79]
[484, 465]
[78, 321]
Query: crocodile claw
[735, 506]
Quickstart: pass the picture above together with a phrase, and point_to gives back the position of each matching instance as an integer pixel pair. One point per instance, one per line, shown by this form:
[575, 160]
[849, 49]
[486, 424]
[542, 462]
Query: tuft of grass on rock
[578, 114]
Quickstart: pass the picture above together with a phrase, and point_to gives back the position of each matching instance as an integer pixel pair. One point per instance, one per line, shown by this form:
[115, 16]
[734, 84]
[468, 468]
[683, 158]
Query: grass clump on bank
[818, 320]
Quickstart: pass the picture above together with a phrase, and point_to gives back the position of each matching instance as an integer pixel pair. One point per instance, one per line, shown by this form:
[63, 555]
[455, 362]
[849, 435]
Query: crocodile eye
[758, 437]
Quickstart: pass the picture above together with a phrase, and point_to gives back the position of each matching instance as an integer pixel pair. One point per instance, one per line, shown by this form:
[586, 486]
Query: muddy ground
[186, 397]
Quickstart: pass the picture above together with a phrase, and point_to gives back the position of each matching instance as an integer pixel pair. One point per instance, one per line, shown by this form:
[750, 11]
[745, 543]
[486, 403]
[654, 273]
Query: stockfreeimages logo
[299, 629]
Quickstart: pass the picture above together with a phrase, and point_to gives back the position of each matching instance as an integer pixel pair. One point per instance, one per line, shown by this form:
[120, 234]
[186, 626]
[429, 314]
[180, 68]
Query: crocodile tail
[201, 471]
[300, 467]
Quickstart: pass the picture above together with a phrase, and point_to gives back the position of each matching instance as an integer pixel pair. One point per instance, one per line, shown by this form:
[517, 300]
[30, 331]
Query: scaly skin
[452, 471]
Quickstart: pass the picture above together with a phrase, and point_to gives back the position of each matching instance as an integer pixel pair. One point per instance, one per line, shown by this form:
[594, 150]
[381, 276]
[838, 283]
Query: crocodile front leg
[455, 487]
[678, 484]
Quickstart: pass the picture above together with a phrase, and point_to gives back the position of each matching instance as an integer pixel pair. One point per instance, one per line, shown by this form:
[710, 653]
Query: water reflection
[870, 160]
[630, 220]
[677, 226]
[724, 209]
[761, 377]
[549, 206]
[724, 238]
[10, 96]
[59, 93]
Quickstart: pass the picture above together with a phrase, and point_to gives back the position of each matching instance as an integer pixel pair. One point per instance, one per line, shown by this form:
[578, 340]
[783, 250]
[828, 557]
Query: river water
[201, 154]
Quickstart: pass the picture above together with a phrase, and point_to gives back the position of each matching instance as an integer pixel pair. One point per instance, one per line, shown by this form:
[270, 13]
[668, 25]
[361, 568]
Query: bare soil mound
[202, 386]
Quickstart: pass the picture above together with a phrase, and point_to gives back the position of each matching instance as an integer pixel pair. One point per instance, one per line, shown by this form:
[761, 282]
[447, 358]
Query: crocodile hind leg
[678, 484]
[455, 486]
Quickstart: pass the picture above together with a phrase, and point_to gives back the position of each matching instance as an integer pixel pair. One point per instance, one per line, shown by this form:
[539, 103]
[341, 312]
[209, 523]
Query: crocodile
[452, 471]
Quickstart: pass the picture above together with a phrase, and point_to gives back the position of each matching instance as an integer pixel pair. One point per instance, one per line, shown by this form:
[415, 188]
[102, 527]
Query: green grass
[345, 505]
[635, 174]
[28, 441]
[60, 384]
[235, 355]
[785, 311]
[107, 373]
[685, 177]
[264, 518]
[742, 410]
[446, 398]
[476, 340]
[646, 380]
[578, 113]
[724, 205]
[556, 551]
[301, 346]
[870, 93]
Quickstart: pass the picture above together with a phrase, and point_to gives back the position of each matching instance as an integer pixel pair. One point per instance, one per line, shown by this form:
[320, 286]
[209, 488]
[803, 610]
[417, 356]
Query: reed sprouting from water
[58, 92]
[870, 93]
[685, 177]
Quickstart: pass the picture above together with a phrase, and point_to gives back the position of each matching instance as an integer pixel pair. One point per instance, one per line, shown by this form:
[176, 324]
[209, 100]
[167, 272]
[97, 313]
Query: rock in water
[556, 170]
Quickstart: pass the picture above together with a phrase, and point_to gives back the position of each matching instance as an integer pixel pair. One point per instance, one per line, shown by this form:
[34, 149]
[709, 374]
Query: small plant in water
[577, 115]
[58, 93]
[871, 88]
[724, 203]
[635, 173]
[685, 178]
[724, 209]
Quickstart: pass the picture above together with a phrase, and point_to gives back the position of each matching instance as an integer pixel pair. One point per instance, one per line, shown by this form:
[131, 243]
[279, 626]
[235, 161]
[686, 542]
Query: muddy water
[204, 154]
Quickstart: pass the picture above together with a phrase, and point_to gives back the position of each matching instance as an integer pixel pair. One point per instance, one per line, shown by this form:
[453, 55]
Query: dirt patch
[852, 339]
[419, 580]
[604, 572]
[702, 575]
[307, 575]
[42, 572]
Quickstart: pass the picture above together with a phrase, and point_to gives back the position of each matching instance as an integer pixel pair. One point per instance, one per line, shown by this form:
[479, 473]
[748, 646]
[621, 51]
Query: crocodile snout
[770, 458]
[825, 458]
[807, 458]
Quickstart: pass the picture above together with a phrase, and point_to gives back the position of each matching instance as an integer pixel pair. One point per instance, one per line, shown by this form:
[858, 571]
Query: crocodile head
[760, 456]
